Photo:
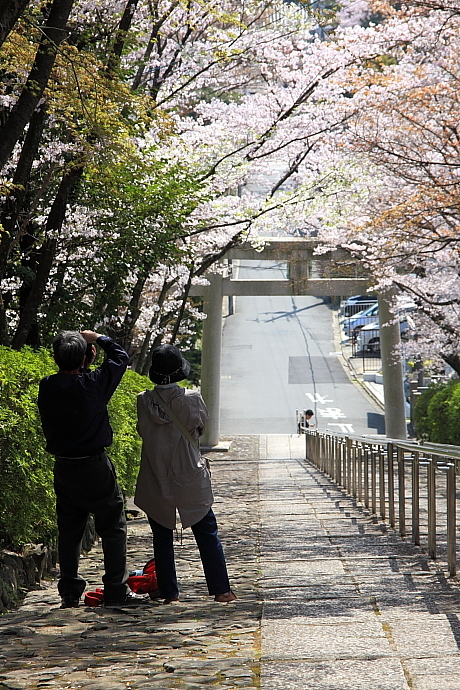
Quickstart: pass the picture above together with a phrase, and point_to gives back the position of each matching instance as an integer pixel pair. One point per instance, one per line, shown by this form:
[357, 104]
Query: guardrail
[378, 473]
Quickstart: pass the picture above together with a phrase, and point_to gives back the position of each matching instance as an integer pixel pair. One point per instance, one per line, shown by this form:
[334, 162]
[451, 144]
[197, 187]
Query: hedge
[437, 414]
[26, 471]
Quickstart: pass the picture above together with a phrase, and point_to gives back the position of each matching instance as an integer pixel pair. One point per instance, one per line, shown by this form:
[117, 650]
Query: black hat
[168, 365]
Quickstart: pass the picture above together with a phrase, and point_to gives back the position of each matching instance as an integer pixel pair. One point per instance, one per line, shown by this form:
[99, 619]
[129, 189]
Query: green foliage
[27, 512]
[125, 450]
[437, 414]
[140, 205]
[26, 470]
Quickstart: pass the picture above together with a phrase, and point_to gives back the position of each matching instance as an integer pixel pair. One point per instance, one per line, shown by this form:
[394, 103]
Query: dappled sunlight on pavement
[329, 598]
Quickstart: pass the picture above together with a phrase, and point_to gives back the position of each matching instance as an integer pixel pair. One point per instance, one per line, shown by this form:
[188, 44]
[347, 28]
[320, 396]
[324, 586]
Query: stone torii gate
[331, 274]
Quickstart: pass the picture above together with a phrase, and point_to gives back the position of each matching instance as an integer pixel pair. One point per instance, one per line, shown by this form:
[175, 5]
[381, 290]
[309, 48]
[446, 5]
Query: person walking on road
[173, 475]
[73, 411]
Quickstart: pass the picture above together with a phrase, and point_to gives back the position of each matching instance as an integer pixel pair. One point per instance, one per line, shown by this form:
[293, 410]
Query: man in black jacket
[73, 411]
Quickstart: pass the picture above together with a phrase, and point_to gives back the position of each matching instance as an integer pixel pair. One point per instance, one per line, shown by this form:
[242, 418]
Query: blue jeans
[211, 553]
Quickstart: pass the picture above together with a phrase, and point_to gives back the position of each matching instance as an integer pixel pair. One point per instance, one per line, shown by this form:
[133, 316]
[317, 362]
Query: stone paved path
[188, 645]
[348, 605]
[328, 599]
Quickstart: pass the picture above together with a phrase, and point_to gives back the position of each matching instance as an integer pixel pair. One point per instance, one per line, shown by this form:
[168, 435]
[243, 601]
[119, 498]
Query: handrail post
[348, 464]
[431, 472]
[353, 469]
[373, 482]
[451, 519]
[382, 483]
[366, 476]
[339, 462]
[401, 493]
[331, 459]
[360, 472]
[391, 485]
[415, 499]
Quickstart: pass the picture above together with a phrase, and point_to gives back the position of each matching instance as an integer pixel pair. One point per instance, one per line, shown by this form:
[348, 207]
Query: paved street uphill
[329, 598]
[278, 355]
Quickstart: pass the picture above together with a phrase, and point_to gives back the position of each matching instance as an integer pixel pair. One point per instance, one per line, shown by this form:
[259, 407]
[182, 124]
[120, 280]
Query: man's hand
[90, 336]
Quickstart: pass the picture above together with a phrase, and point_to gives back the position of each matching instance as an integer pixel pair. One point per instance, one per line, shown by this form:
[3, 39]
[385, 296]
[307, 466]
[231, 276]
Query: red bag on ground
[145, 583]
[141, 584]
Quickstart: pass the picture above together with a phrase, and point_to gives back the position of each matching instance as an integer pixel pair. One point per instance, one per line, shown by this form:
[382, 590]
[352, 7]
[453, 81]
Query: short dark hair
[69, 348]
[310, 412]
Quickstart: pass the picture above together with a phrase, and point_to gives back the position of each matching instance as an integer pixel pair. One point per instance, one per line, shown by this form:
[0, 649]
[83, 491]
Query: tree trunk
[47, 254]
[53, 35]
[4, 334]
[14, 203]
[182, 306]
[10, 11]
[453, 361]
[143, 352]
[148, 360]
[158, 23]
[133, 312]
[29, 313]
[143, 361]
[123, 28]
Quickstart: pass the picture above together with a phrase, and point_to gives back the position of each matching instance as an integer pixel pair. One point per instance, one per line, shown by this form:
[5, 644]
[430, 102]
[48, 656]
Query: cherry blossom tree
[236, 116]
[226, 80]
[400, 215]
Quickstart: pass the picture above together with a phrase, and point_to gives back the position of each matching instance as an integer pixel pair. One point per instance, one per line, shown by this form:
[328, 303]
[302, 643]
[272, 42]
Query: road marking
[344, 428]
[333, 412]
[317, 398]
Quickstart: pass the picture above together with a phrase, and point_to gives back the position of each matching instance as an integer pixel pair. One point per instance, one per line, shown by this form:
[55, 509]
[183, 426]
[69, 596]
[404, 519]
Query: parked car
[353, 305]
[353, 324]
[368, 339]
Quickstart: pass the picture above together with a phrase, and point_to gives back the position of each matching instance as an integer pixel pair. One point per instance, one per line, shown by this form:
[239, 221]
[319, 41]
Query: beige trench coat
[172, 474]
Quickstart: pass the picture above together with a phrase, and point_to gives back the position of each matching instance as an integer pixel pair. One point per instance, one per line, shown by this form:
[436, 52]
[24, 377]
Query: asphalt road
[278, 355]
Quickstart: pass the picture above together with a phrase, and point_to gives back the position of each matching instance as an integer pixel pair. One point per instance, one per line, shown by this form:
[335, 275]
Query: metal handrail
[373, 469]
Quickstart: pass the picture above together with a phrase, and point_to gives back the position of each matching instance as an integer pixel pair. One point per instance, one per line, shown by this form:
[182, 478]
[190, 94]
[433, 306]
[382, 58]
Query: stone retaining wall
[20, 573]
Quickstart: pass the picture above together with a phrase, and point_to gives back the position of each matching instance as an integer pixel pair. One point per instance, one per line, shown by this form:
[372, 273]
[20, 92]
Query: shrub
[26, 470]
[27, 512]
[125, 451]
[437, 414]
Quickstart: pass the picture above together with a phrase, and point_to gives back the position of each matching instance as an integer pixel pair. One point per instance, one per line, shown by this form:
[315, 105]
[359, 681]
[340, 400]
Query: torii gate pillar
[210, 357]
[392, 370]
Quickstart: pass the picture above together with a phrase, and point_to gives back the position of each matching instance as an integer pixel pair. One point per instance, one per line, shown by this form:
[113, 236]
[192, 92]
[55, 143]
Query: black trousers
[82, 487]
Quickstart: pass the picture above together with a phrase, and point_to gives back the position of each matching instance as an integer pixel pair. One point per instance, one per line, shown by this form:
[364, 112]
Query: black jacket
[73, 407]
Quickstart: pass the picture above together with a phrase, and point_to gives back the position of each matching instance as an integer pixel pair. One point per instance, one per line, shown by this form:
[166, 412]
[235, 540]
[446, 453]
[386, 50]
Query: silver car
[368, 339]
[353, 324]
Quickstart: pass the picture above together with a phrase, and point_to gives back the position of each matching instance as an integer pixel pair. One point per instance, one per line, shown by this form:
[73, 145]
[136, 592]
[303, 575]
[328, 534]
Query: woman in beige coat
[173, 475]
